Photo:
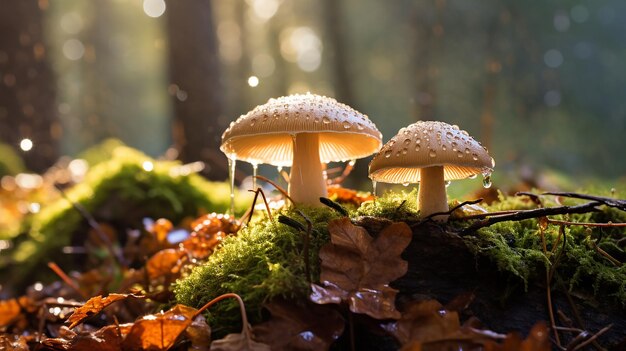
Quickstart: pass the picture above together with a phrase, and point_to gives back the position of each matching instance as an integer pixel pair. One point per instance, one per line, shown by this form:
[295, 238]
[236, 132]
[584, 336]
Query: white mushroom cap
[265, 134]
[426, 144]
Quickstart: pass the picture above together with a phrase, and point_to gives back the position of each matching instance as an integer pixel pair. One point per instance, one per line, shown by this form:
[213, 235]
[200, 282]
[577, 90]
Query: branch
[534, 213]
[617, 203]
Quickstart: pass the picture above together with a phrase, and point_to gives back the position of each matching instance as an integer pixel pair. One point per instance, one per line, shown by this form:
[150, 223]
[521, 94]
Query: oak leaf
[424, 321]
[299, 327]
[357, 268]
[159, 331]
[94, 306]
[537, 340]
[166, 263]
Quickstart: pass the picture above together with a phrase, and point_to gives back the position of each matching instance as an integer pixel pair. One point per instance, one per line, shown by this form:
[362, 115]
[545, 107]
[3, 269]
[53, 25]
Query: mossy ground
[120, 192]
[265, 259]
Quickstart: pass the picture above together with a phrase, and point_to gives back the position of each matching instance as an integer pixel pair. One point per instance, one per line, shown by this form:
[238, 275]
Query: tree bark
[336, 50]
[27, 85]
[195, 85]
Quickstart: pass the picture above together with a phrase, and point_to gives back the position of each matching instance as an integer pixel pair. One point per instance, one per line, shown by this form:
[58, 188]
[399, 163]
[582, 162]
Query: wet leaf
[166, 263]
[108, 338]
[299, 327]
[159, 331]
[348, 196]
[357, 268]
[13, 342]
[199, 334]
[239, 342]
[94, 306]
[537, 340]
[208, 232]
[424, 321]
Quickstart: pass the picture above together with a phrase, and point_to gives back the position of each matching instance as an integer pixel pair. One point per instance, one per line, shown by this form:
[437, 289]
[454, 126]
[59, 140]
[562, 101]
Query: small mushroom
[301, 131]
[430, 152]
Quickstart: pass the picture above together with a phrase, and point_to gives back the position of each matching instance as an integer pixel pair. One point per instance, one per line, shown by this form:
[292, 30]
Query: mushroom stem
[432, 193]
[306, 180]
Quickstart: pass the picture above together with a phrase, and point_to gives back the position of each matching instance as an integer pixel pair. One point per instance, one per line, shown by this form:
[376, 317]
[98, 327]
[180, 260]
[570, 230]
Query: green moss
[121, 193]
[263, 261]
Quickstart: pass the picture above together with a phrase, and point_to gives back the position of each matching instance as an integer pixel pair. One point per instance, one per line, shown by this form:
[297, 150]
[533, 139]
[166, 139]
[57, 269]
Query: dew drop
[405, 151]
[325, 120]
[472, 176]
[418, 141]
[316, 120]
[265, 117]
[493, 162]
[444, 148]
[487, 181]
[405, 184]
[232, 162]
[447, 183]
[449, 134]
[252, 122]
[388, 153]
[459, 153]
[374, 187]
[475, 157]
[455, 127]
[359, 126]
[417, 147]
[467, 151]
[432, 153]
[406, 142]
[398, 153]
[346, 125]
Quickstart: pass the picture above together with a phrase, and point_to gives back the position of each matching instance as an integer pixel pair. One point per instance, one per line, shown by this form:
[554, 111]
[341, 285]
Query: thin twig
[617, 203]
[278, 187]
[586, 224]
[251, 209]
[605, 254]
[95, 226]
[549, 290]
[593, 338]
[346, 172]
[449, 212]
[66, 279]
[483, 215]
[334, 205]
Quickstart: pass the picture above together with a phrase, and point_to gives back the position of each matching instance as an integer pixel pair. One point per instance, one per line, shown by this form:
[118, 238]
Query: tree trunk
[195, 84]
[27, 86]
[336, 51]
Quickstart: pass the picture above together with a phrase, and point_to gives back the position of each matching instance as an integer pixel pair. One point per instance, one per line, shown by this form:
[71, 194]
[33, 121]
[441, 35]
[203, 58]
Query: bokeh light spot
[26, 144]
[154, 8]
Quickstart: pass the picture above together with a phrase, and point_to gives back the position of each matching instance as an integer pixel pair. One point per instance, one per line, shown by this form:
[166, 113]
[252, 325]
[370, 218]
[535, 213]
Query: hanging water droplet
[418, 141]
[265, 117]
[472, 176]
[232, 162]
[398, 153]
[252, 122]
[359, 126]
[454, 144]
[475, 157]
[455, 127]
[459, 153]
[493, 162]
[449, 134]
[432, 153]
[351, 163]
[405, 184]
[417, 147]
[255, 168]
[447, 183]
[444, 148]
[406, 142]
[487, 181]
[316, 120]
[388, 153]
[279, 169]
[374, 187]
[325, 120]
[467, 151]
[405, 151]
[346, 125]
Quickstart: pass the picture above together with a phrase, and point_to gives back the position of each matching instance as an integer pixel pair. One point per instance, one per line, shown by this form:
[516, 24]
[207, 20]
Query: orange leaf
[10, 311]
[165, 263]
[357, 268]
[159, 331]
[94, 306]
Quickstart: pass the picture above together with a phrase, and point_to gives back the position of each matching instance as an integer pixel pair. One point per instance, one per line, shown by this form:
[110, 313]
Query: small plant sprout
[301, 131]
[431, 153]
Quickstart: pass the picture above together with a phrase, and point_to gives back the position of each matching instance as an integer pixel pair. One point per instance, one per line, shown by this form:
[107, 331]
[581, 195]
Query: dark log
[442, 267]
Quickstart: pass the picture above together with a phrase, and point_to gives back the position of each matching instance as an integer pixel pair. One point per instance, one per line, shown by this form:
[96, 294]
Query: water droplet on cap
[388, 153]
[346, 125]
[325, 120]
[432, 153]
[487, 181]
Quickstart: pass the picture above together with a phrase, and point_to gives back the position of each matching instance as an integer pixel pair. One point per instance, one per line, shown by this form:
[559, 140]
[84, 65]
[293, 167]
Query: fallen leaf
[199, 334]
[208, 231]
[424, 321]
[165, 263]
[159, 331]
[348, 196]
[239, 342]
[537, 340]
[94, 306]
[299, 327]
[357, 268]
[108, 338]
[13, 342]
[10, 311]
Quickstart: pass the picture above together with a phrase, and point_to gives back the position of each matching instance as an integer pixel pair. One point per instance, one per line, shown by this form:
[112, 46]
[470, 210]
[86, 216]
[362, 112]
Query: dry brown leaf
[159, 331]
[199, 334]
[208, 232]
[94, 306]
[357, 268]
[299, 327]
[108, 338]
[13, 342]
[348, 196]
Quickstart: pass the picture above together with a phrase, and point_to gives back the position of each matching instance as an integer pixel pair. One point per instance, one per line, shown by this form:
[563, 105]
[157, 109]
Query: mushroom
[430, 152]
[301, 131]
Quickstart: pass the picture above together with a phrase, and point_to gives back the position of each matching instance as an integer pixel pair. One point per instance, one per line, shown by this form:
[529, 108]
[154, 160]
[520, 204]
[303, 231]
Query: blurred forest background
[541, 83]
